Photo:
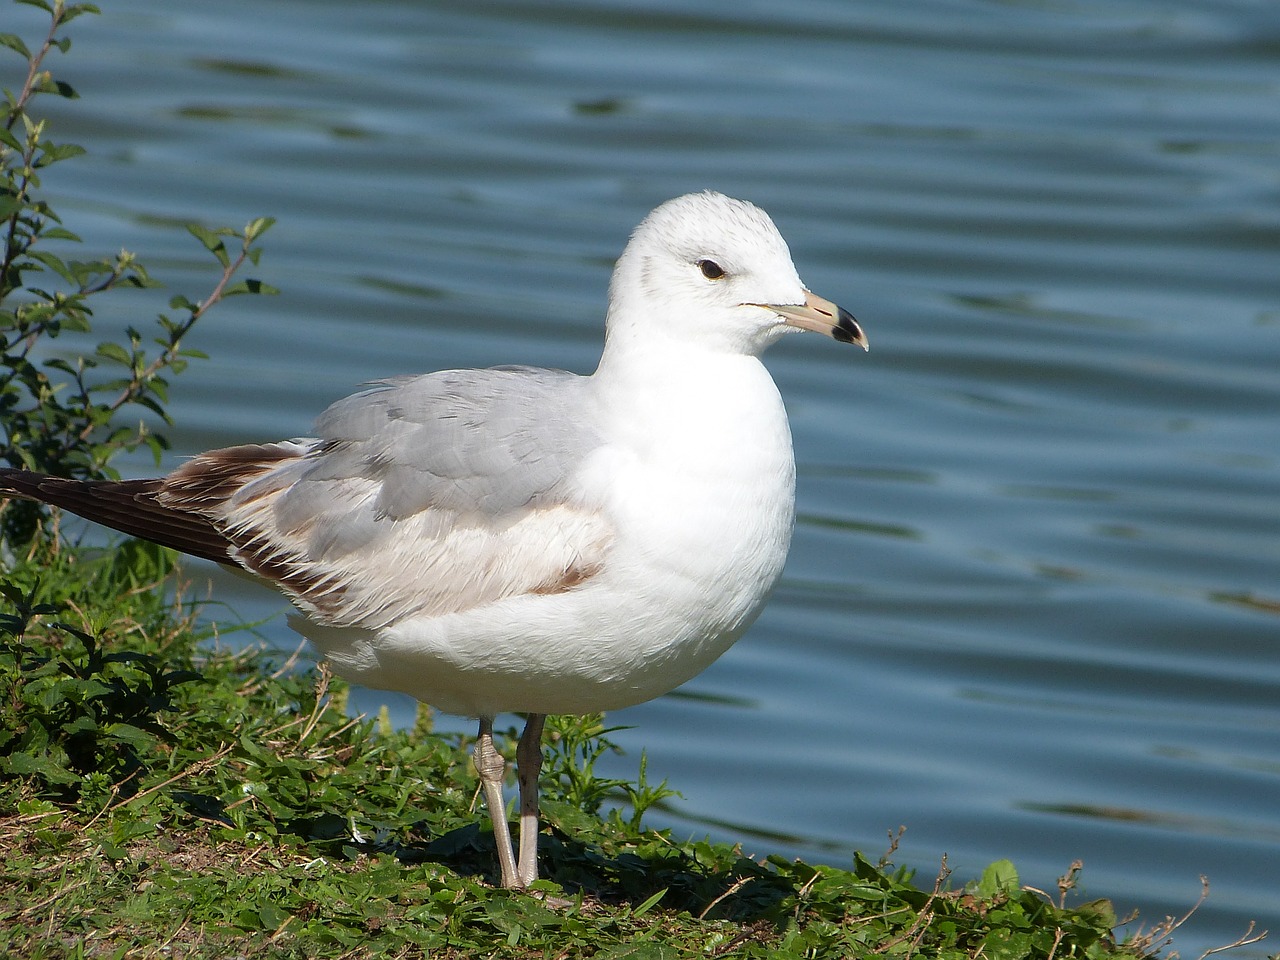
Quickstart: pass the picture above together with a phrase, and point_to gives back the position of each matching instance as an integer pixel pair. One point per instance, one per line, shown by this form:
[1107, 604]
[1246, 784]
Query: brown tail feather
[129, 506]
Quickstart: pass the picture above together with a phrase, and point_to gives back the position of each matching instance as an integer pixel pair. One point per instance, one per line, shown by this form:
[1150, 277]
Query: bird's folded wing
[421, 497]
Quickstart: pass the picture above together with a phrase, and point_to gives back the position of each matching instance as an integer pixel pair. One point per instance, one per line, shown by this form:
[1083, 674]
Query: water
[1031, 607]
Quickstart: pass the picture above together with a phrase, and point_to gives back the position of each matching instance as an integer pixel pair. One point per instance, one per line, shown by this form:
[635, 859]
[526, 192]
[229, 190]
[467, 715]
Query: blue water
[1032, 609]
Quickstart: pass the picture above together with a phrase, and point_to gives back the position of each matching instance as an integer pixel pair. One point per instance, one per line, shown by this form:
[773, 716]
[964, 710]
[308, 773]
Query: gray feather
[486, 441]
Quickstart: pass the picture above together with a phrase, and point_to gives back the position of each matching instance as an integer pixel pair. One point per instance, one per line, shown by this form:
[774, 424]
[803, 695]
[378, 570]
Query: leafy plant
[74, 712]
[59, 415]
[76, 709]
[574, 746]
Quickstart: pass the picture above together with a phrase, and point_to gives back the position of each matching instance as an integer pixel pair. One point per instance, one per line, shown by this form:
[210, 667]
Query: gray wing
[421, 496]
[486, 441]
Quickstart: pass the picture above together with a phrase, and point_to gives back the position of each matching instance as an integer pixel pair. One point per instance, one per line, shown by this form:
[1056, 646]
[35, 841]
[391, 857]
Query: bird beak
[821, 316]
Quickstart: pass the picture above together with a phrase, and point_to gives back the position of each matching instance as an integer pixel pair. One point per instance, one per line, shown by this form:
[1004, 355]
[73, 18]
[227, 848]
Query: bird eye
[710, 269]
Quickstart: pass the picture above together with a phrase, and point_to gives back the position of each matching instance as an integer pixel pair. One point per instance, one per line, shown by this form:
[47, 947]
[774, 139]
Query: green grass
[163, 796]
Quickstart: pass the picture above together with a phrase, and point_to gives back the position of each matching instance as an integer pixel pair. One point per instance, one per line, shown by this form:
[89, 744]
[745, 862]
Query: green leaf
[130, 734]
[256, 228]
[59, 87]
[157, 446]
[115, 353]
[212, 240]
[81, 724]
[29, 765]
[1000, 877]
[53, 263]
[153, 406]
[113, 851]
[60, 233]
[271, 917]
[249, 286]
[14, 42]
[1100, 913]
[649, 904]
[53, 152]
[69, 13]
[206, 236]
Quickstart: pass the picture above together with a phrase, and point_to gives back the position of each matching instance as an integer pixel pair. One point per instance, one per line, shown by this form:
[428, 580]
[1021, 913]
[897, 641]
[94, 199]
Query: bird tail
[130, 506]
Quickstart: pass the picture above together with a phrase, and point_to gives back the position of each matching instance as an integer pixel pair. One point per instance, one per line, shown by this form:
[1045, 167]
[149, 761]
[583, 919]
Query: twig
[13, 251]
[734, 888]
[197, 767]
[915, 933]
[1067, 882]
[56, 895]
[1058, 934]
[33, 68]
[1244, 940]
[323, 675]
[139, 379]
[1160, 933]
[895, 838]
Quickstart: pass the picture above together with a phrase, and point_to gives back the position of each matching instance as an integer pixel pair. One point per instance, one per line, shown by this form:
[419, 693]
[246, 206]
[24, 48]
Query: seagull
[524, 540]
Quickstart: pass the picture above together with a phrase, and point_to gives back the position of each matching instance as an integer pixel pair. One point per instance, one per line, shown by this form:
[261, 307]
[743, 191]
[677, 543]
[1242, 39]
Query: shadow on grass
[625, 872]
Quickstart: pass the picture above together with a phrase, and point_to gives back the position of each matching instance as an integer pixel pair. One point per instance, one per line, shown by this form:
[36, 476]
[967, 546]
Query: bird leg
[491, 767]
[528, 768]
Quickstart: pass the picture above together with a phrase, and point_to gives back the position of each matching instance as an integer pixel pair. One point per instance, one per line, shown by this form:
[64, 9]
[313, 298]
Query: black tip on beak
[846, 329]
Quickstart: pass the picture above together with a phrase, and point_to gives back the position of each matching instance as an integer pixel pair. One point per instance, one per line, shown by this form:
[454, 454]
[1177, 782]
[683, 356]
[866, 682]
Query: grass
[162, 795]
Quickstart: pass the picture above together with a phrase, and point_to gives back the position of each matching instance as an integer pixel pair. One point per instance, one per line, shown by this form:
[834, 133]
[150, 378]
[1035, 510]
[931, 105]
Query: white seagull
[525, 540]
